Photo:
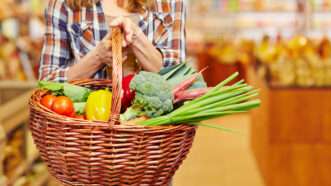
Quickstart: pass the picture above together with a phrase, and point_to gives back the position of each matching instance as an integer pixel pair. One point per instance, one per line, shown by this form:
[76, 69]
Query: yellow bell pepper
[98, 106]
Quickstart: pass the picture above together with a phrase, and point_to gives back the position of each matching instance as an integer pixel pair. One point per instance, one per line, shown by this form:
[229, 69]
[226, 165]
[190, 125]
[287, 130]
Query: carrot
[187, 83]
[190, 94]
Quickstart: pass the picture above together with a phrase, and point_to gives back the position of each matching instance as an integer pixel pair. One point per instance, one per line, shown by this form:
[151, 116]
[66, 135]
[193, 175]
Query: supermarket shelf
[14, 122]
[248, 14]
[31, 161]
[17, 84]
[24, 167]
[280, 131]
[14, 112]
[275, 86]
[40, 180]
[18, 173]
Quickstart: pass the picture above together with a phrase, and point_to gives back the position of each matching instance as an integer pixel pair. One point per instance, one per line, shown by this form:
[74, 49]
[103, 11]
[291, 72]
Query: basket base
[67, 184]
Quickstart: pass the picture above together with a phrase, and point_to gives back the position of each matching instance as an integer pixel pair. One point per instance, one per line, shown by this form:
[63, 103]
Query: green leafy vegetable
[168, 71]
[52, 86]
[76, 93]
[181, 72]
[80, 107]
[153, 96]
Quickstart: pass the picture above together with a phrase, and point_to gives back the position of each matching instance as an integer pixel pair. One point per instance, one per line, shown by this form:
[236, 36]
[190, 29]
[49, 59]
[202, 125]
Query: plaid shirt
[72, 34]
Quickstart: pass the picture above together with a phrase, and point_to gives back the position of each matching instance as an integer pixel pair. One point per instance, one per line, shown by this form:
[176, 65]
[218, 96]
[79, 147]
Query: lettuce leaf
[74, 92]
[80, 107]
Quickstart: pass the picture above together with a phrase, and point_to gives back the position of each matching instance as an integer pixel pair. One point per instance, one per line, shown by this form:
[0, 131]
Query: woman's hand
[103, 51]
[148, 56]
[130, 29]
[92, 61]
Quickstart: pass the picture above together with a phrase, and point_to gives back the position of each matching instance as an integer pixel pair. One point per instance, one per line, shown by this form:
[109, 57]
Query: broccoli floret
[153, 96]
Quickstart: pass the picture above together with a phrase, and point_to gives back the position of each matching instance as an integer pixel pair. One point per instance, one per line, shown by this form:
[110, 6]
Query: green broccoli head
[153, 96]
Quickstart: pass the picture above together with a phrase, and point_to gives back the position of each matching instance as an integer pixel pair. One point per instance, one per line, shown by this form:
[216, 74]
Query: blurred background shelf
[14, 112]
[17, 85]
[15, 140]
[41, 179]
[289, 134]
[18, 172]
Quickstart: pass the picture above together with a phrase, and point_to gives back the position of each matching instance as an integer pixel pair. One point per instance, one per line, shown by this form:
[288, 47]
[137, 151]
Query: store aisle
[220, 158]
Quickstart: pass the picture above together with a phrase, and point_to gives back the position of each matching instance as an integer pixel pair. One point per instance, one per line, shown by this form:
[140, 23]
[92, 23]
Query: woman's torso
[89, 26]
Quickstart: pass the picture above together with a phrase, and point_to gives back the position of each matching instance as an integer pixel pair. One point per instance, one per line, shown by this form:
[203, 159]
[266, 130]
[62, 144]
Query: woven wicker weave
[79, 152]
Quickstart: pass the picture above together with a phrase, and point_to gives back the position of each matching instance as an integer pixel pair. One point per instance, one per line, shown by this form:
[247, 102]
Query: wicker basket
[79, 152]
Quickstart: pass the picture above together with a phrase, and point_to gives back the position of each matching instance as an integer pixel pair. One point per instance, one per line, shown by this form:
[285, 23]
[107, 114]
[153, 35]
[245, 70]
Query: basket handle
[117, 74]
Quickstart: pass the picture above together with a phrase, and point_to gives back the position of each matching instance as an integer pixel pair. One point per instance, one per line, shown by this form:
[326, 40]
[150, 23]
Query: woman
[76, 44]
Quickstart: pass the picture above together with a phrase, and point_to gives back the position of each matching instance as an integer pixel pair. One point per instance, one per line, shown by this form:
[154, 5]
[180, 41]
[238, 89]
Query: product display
[18, 153]
[296, 62]
[299, 61]
[36, 177]
[14, 153]
[2, 146]
[20, 40]
[21, 32]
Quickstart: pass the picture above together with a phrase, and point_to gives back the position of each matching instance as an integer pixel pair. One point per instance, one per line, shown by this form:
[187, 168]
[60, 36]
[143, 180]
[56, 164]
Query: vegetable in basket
[76, 97]
[80, 108]
[128, 94]
[153, 96]
[80, 116]
[219, 101]
[187, 83]
[74, 92]
[48, 101]
[176, 74]
[98, 105]
[63, 106]
[185, 95]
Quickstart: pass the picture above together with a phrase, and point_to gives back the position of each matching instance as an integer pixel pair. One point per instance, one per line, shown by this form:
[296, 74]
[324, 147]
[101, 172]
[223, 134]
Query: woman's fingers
[116, 22]
[108, 59]
[128, 28]
[107, 41]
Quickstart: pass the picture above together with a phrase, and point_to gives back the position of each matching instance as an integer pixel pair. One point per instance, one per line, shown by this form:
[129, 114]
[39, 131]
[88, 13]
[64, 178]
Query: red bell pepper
[128, 95]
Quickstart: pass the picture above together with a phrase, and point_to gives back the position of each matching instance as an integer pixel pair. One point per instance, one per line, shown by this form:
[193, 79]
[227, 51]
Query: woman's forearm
[85, 68]
[148, 56]
[89, 64]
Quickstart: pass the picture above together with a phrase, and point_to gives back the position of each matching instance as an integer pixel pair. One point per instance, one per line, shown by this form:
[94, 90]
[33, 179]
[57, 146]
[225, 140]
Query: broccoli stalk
[153, 96]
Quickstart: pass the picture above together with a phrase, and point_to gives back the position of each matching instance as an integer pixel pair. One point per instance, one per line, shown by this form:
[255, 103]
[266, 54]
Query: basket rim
[35, 104]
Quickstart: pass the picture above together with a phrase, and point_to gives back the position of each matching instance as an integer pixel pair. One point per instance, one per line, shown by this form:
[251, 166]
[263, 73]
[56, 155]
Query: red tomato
[63, 105]
[48, 101]
[80, 117]
[72, 115]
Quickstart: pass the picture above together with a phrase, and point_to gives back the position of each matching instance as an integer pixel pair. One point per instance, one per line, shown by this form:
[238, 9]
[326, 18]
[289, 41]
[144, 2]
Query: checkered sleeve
[173, 49]
[55, 55]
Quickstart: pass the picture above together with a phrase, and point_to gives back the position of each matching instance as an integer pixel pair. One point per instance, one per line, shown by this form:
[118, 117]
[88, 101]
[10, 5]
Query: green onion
[215, 127]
